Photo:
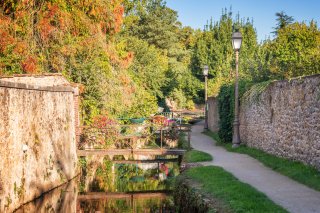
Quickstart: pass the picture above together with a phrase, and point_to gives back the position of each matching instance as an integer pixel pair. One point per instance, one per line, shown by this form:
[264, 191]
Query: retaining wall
[284, 120]
[38, 122]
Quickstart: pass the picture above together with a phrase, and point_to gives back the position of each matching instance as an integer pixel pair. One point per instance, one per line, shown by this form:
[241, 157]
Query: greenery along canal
[122, 183]
[114, 186]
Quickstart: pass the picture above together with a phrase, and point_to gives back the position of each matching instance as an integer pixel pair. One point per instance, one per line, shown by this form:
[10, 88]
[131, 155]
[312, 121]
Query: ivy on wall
[226, 107]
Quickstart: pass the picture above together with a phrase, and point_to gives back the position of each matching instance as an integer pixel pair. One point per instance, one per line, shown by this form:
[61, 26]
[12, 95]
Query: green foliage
[131, 54]
[214, 48]
[295, 51]
[82, 162]
[156, 24]
[240, 197]
[149, 66]
[295, 170]
[161, 47]
[183, 142]
[144, 105]
[197, 156]
[225, 108]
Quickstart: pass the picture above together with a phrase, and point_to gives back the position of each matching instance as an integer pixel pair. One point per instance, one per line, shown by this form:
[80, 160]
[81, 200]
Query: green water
[106, 186]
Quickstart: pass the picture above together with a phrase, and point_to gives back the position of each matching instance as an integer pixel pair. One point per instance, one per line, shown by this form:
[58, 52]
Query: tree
[295, 51]
[149, 66]
[283, 20]
[155, 24]
[213, 47]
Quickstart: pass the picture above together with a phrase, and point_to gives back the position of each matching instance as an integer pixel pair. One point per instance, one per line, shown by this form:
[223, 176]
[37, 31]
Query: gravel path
[289, 194]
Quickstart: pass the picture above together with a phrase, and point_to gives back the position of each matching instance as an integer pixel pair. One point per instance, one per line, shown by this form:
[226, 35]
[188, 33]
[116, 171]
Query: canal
[116, 185]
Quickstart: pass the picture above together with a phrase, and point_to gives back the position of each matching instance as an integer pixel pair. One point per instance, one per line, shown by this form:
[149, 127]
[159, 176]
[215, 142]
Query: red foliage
[124, 80]
[5, 38]
[52, 10]
[103, 121]
[126, 62]
[111, 24]
[29, 65]
[160, 120]
[20, 48]
[118, 17]
[45, 27]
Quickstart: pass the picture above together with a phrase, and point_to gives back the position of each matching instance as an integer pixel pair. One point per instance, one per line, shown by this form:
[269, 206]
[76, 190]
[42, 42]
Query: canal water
[113, 186]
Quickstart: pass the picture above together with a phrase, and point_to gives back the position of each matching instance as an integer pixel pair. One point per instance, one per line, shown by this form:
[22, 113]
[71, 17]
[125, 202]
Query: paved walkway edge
[291, 195]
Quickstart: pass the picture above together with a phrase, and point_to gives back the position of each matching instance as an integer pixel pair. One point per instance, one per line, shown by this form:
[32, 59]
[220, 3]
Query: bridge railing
[130, 136]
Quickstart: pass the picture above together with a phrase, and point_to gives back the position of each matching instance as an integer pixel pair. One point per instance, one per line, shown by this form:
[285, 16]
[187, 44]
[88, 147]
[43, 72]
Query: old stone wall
[213, 114]
[37, 137]
[284, 119]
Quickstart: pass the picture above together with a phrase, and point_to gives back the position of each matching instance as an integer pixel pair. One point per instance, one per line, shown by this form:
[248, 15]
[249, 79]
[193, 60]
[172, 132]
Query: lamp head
[236, 41]
[205, 70]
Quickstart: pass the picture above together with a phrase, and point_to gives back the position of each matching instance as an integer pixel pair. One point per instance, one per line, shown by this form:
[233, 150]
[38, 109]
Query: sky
[195, 13]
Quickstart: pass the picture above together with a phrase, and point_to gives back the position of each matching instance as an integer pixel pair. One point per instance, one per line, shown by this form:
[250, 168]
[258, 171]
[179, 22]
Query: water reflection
[126, 186]
[61, 199]
[113, 186]
[126, 202]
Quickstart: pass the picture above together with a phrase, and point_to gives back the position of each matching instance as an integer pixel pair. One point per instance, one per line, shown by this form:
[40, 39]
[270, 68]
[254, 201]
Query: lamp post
[205, 73]
[236, 44]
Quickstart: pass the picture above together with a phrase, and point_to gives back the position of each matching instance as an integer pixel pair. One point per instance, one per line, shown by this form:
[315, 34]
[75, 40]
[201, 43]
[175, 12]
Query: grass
[197, 156]
[295, 170]
[182, 141]
[222, 185]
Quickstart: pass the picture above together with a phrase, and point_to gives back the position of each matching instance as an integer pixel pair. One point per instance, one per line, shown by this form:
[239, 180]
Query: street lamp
[205, 73]
[236, 44]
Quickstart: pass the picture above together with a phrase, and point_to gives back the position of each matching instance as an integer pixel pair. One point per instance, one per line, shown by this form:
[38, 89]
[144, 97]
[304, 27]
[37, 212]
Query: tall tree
[153, 22]
[282, 21]
[213, 47]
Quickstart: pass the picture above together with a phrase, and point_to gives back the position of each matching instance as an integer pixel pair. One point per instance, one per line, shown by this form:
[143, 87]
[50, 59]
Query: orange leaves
[110, 17]
[5, 40]
[14, 47]
[126, 62]
[20, 48]
[122, 61]
[103, 121]
[45, 25]
[118, 17]
[52, 10]
[54, 32]
[124, 80]
[51, 21]
[29, 65]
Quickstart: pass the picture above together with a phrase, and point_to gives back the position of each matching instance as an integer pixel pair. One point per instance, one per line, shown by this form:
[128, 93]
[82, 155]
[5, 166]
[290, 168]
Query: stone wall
[37, 137]
[213, 114]
[284, 120]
